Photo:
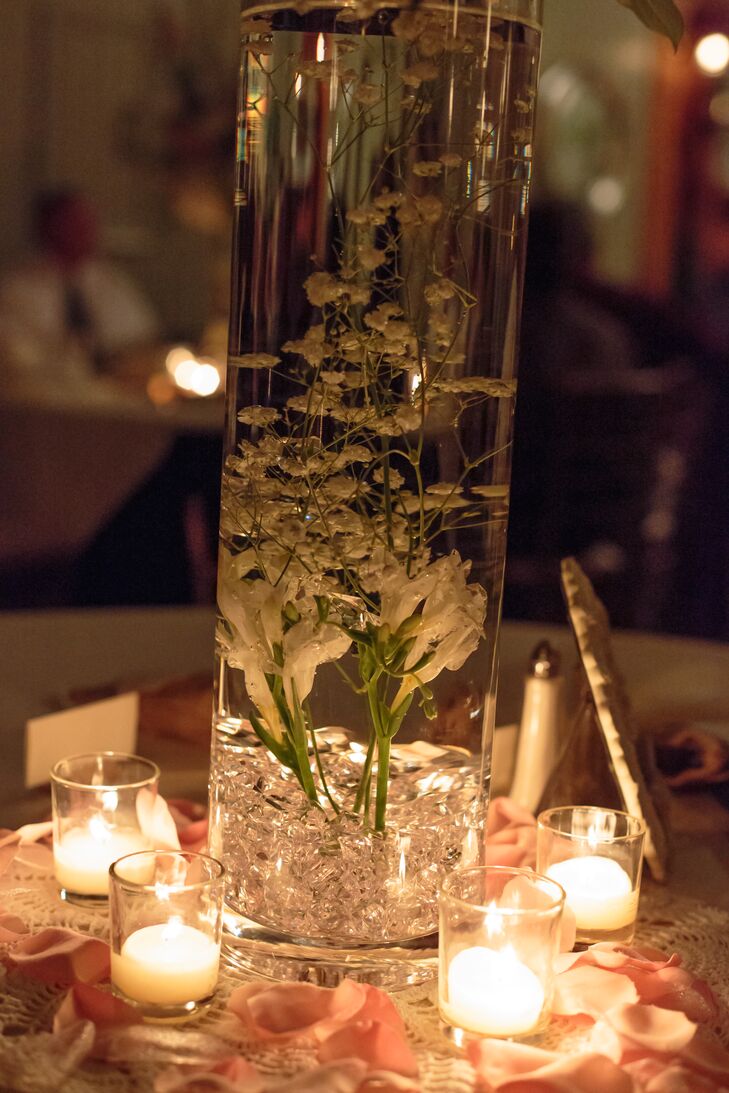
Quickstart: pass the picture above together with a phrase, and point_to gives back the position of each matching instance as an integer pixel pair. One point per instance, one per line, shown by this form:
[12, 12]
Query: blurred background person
[66, 313]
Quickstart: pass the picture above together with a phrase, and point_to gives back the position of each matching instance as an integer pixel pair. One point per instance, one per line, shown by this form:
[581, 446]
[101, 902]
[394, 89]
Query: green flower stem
[301, 750]
[320, 769]
[305, 775]
[363, 790]
[373, 704]
[383, 778]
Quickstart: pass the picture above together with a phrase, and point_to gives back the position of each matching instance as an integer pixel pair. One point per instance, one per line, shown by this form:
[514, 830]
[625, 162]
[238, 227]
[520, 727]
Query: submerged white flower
[264, 640]
[368, 94]
[428, 168]
[323, 288]
[258, 415]
[417, 73]
[476, 385]
[395, 479]
[255, 360]
[448, 614]
[313, 347]
[371, 257]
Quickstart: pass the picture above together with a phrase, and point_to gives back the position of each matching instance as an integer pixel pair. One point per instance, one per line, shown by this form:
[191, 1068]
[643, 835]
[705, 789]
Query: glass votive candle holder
[499, 936]
[165, 922]
[596, 854]
[96, 818]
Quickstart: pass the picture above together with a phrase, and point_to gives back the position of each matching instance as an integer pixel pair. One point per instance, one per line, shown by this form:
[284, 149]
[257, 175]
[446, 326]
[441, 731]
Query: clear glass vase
[383, 167]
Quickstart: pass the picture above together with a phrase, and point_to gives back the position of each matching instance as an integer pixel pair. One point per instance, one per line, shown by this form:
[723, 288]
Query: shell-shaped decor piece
[629, 765]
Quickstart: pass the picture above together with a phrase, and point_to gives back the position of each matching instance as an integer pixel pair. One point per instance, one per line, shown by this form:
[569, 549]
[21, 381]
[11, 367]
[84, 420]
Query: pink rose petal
[28, 833]
[57, 955]
[606, 954]
[11, 927]
[504, 811]
[286, 1009]
[155, 820]
[194, 837]
[233, 1074]
[512, 857]
[520, 1068]
[377, 1006]
[86, 1003]
[588, 990]
[572, 1074]
[496, 1059]
[191, 821]
[659, 980]
[649, 1028]
[676, 988]
[511, 834]
[298, 1009]
[653, 1075]
[384, 1081]
[379, 1045]
[707, 1056]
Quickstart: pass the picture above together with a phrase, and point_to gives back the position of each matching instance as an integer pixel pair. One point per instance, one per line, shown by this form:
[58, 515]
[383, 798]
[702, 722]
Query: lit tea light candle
[599, 891]
[168, 964]
[83, 855]
[491, 992]
[96, 819]
[596, 854]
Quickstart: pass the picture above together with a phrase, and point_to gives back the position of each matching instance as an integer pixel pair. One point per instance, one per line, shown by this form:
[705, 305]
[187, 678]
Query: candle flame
[601, 829]
[99, 829]
[320, 47]
[493, 921]
[110, 800]
[172, 928]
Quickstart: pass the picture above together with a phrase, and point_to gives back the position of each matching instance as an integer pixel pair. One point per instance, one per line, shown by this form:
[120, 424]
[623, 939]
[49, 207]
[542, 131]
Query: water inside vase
[408, 144]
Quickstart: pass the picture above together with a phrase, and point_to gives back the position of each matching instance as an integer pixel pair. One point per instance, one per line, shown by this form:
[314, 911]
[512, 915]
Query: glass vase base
[250, 948]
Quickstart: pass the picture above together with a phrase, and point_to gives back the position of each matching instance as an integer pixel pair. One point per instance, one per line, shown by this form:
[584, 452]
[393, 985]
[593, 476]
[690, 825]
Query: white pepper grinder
[540, 732]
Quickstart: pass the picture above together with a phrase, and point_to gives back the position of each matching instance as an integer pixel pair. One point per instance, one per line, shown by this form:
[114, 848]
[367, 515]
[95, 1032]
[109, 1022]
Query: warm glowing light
[160, 389]
[176, 356]
[492, 993]
[719, 108]
[599, 891]
[205, 380]
[110, 800]
[606, 195]
[184, 372]
[601, 829]
[712, 54]
[320, 46]
[166, 964]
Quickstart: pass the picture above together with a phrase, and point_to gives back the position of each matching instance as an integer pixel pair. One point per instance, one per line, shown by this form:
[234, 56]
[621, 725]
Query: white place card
[108, 725]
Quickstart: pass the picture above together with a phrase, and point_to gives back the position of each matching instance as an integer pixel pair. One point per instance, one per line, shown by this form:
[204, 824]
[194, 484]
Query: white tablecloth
[71, 458]
[44, 655]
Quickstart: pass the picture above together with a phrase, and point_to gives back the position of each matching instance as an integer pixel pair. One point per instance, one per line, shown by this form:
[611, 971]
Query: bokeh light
[712, 54]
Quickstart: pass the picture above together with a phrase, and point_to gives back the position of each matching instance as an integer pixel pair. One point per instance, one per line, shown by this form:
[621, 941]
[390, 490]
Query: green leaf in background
[660, 15]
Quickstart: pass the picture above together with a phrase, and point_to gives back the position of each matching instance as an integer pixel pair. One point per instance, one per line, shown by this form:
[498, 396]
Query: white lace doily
[699, 933]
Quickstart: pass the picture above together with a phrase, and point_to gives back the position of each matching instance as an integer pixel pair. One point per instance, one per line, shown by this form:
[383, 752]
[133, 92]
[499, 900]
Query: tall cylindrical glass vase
[383, 167]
